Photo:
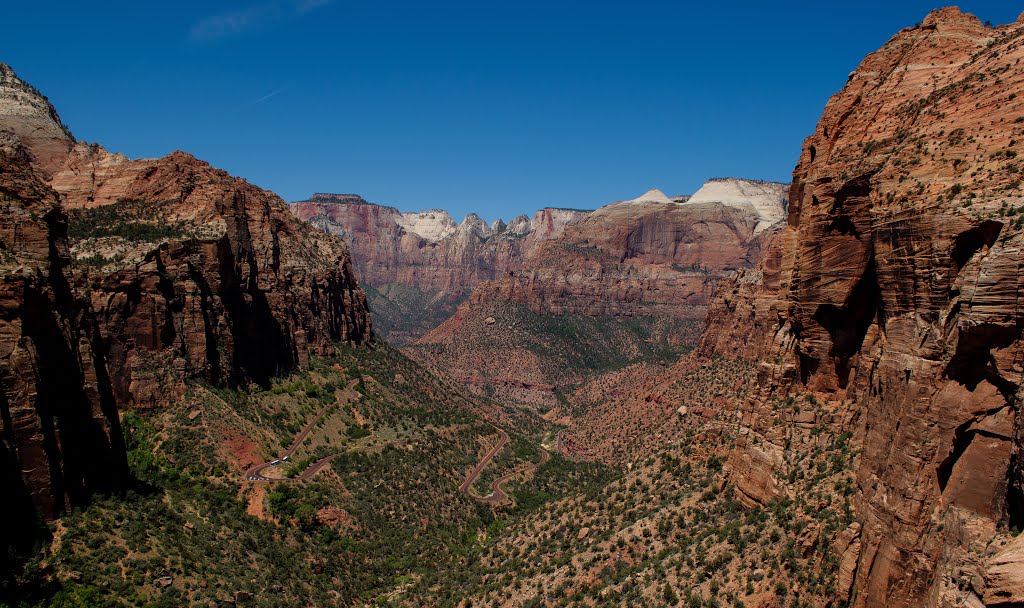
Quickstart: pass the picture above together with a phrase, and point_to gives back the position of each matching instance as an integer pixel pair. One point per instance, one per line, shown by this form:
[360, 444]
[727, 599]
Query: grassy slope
[670, 531]
[386, 515]
[520, 347]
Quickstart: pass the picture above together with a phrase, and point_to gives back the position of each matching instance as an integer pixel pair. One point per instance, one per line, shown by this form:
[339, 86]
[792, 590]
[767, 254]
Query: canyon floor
[759, 396]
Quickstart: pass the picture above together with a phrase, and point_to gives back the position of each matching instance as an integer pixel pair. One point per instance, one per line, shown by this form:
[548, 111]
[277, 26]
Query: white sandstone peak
[519, 225]
[550, 222]
[433, 225]
[768, 199]
[475, 225]
[652, 196]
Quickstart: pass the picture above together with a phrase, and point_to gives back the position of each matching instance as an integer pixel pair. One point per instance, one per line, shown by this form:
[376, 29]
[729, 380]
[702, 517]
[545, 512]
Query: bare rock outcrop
[31, 122]
[420, 266]
[60, 438]
[1004, 576]
[894, 289]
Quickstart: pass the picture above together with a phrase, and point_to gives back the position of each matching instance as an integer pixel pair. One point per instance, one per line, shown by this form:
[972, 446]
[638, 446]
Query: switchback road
[497, 494]
[464, 488]
[256, 472]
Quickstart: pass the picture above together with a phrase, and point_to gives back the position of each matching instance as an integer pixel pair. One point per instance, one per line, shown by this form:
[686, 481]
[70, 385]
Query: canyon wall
[648, 256]
[638, 273]
[123, 279]
[418, 267]
[893, 293]
[60, 437]
[206, 276]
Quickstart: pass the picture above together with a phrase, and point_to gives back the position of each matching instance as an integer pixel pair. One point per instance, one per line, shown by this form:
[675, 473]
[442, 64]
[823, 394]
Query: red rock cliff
[637, 274]
[648, 256]
[190, 272]
[420, 266]
[895, 288]
[245, 291]
[60, 438]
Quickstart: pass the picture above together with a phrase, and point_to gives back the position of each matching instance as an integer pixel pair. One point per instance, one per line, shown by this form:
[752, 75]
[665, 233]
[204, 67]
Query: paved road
[256, 472]
[497, 494]
[314, 468]
[483, 463]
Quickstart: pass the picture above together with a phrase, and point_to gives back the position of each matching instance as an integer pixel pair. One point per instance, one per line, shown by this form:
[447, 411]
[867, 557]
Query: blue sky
[489, 106]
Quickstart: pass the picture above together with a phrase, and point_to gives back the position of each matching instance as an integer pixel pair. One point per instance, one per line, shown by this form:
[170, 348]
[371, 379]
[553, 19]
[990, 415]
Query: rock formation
[60, 438]
[417, 267]
[31, 123]
[650, 263]
[647, 256]
[122, 278]
[894, 292]
[234, 289]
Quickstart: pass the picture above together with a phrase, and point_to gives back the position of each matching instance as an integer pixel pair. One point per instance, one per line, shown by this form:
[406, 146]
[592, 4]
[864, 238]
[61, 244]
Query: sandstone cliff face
[32, 122]
[190, 272]
[640, 271]
[238, 290]
[425, 257]
[647, 256]
[894, 292]
[121, 279]
[60, 438]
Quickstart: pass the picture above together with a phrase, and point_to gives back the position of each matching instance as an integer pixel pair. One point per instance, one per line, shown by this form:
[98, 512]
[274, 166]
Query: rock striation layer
[31, 123]
[895, 291]
[60, 437]
[123, 278]
[419, 266]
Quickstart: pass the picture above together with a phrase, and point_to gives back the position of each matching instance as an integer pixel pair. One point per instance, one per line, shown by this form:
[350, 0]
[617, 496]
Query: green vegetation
[600, 344]
[570, 349]
[333, 542]
[401, 313]
[671, 530]
[385, 524]
[558, 479]
[129, 219]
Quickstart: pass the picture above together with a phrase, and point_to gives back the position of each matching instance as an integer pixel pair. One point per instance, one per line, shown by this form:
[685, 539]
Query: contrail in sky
[267, 96]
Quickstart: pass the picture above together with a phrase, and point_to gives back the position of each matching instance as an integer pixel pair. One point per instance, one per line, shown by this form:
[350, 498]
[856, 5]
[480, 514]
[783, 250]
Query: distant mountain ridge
[124, 277]
[418, 266]
[644, 269]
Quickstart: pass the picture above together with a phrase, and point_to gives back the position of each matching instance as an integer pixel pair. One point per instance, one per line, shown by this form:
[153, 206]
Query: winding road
[497, 494]
[256, 473]
[464, 488]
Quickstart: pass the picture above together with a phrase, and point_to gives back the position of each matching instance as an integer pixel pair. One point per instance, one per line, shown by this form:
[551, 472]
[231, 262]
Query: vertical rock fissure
[962, 438]
[847, 325]
[261, 347]
[210, 341]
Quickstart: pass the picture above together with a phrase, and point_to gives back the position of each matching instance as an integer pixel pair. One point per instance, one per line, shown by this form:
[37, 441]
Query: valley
[756, 395]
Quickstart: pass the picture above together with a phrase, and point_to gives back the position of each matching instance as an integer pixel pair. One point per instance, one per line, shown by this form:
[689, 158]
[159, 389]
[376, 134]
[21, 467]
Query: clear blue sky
[497, 107]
